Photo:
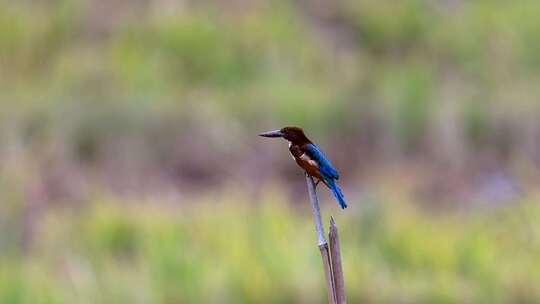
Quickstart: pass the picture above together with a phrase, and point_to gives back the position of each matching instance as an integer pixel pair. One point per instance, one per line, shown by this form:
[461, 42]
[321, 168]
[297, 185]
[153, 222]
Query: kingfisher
[310, 158]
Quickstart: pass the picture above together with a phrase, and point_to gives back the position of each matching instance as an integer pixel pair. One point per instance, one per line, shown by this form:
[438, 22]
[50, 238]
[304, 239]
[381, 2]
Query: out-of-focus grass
[79, 75]
[146, 97]
[230, 251]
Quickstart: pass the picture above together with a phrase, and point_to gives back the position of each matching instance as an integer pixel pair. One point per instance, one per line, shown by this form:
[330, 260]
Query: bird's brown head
[293, 134]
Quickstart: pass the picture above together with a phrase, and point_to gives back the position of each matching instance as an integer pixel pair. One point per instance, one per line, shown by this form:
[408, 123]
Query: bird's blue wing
[328, 172]
[325, 166]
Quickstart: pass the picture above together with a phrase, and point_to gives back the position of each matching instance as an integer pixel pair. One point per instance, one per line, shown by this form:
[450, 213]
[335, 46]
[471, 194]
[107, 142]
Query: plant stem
[322, 243]
[337, 269]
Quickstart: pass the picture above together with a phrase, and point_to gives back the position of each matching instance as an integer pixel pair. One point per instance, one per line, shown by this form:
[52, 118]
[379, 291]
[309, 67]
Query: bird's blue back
[325, 166]
[328, 172]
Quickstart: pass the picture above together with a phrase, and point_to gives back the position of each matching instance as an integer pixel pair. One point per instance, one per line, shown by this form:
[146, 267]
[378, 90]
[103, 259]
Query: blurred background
[131, 171]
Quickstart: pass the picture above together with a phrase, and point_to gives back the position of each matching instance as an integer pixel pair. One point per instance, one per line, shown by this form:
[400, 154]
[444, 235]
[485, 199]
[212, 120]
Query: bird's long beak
[275, 133]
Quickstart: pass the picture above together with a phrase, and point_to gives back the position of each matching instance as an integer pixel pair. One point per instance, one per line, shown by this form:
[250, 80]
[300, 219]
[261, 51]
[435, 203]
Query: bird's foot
[317, 182]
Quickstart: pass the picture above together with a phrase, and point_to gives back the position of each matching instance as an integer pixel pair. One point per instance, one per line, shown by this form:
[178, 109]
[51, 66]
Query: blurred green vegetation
[230, 251]
[109, 110]
[404, 77]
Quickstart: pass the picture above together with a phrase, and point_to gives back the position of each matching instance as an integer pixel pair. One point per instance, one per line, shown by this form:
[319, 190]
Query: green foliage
[101, 92]
[186, 71]
[232, 252]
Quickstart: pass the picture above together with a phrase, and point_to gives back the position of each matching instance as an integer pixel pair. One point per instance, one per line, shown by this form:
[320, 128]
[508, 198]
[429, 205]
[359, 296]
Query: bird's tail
[337, 193]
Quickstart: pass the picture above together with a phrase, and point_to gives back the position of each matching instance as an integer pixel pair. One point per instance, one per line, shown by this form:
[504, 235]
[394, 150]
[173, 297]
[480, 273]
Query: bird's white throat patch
[290, 145]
